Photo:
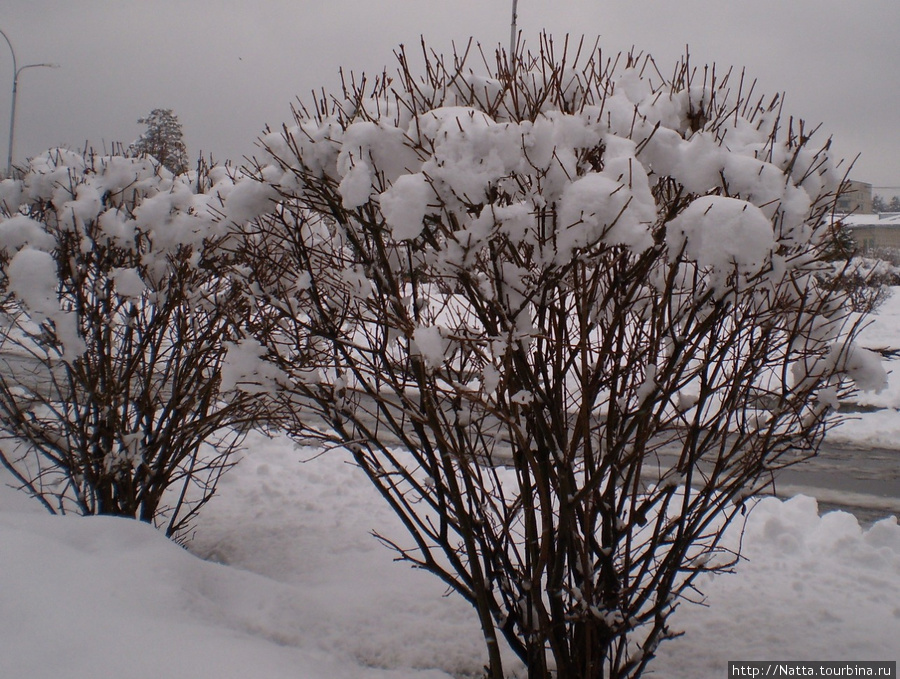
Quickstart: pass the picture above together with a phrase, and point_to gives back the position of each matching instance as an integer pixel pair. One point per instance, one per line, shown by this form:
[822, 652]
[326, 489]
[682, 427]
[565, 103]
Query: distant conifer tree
[163, 140]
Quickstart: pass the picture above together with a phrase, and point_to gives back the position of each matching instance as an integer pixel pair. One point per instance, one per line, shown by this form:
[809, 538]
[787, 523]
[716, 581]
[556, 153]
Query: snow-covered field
[282, 579]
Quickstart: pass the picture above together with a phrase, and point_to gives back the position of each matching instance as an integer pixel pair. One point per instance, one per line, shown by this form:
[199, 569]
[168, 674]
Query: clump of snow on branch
[720, 232]
[244, 368]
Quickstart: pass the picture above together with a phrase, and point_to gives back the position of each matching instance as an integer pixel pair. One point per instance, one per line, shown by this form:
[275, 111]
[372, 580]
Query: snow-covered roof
[875, 219]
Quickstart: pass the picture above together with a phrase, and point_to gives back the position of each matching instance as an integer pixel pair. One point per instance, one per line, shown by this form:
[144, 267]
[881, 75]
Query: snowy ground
[282, 579]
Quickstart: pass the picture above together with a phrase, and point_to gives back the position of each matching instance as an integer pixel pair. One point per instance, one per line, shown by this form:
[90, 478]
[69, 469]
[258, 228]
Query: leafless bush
[892, 257]
[865, 281]
[563, 328]
[116, 310]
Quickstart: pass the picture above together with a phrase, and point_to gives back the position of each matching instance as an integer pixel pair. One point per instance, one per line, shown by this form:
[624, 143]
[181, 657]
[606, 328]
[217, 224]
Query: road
[861, 480]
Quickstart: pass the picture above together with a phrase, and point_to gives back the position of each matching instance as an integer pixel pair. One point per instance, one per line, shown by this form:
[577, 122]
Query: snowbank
[813, 587]
[308, 593]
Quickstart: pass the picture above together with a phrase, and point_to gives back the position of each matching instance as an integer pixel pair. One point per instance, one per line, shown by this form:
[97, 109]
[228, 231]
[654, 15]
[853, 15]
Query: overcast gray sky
[229, 67]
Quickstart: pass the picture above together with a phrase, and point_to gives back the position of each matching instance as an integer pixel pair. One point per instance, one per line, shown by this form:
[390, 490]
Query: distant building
[856, 198]
[874, 231]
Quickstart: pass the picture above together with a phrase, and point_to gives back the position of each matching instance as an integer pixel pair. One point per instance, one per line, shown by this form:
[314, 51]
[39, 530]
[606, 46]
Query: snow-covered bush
[117, 311]
[565, 315]
[866, 281]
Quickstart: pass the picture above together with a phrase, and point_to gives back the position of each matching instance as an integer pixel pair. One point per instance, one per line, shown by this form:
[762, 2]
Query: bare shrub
[566, 317]
[117, 314]
[865, 281]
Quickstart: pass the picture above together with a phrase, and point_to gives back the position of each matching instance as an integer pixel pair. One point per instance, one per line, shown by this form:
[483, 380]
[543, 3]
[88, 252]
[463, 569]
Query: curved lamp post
[12, 114]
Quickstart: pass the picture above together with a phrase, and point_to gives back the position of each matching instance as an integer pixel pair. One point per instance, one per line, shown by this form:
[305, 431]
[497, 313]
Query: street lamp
[15, 87]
